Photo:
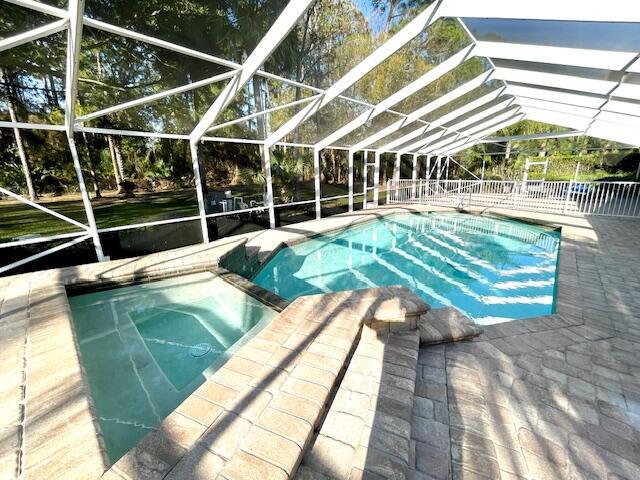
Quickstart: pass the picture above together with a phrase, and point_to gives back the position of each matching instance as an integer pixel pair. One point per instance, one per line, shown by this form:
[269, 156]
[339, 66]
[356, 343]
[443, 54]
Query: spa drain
[200, 349]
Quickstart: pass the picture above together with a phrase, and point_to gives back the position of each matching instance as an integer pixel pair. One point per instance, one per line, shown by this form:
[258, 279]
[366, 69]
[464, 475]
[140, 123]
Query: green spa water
[146, 347]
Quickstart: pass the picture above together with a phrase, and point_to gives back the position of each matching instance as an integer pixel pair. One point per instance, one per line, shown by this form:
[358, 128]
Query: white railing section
[618, 199]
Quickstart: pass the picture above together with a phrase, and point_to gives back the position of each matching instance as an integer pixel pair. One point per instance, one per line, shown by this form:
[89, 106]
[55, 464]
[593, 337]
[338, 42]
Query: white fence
[619, 199]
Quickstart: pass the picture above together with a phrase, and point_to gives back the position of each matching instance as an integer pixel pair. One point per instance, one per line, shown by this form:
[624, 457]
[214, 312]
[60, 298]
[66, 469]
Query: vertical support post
[365, 178]
[447, 163]
[438, 171]
[484, 161]
[389, 192]
[414, 175]
[575, 175]
[414, 167]
[316, 180]
[85, 200]
[568, 197]
[376, 178]
[350, 167]
[269, 201]
[195, 162]
[74, 40]
[427, 175]
[397, 170]
[545, 168]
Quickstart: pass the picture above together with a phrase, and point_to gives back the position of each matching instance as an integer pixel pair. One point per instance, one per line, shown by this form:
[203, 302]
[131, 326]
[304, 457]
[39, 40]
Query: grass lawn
[17, 219]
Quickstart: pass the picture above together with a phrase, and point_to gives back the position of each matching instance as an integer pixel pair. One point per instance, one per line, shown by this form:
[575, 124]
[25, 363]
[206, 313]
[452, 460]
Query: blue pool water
[493, 270]
[146, 347]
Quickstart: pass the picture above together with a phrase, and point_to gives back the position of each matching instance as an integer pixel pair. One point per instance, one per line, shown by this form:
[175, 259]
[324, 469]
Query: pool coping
[39, 306]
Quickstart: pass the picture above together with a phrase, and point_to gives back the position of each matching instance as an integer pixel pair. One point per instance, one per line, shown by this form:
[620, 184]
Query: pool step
[443, 325]
[257, 415]
[367, 430]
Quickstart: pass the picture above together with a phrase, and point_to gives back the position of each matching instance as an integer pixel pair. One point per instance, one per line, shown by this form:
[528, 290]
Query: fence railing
[619, 199]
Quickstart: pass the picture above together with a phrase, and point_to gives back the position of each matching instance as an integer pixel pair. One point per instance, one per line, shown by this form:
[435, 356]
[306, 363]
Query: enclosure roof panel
[272, 76]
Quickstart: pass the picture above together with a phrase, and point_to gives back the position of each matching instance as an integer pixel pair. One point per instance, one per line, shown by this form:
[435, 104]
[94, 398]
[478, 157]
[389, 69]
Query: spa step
[443, 325]
[367, 430]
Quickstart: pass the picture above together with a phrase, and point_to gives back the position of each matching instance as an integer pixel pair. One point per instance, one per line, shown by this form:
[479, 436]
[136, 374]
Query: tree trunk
[92, 167]
[54, 92]
[22, 153]
[334, 162]
[114, 161]
[507, 154]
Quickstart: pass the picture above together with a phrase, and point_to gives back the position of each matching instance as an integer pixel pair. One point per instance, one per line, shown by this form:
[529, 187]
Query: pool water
[147, 347]
[493, 270]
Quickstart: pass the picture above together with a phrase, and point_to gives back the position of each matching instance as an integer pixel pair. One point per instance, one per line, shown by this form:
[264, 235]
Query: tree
[22, 152]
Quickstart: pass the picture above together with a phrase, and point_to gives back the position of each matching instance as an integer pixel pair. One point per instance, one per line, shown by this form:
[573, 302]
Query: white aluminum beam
[424, 110]
[32, 126]
[416, 26]
[547, 79]
[350, 154]
[557, 118]
[577, 57]
[628, 90]
[376, 177]
[562, 107]
[269, 180]
[568, 10]
[617, 133]
[469, 131]
[589, 105]
[459, 127]
[589, 100]
[44, 253]
[622, 106]
[41, 7]
[607, 116]
[261, 113]
[44, 209]
[614, 126]
[451, 116]
[457, 146]
[123, 32]
[415, 86]
[197, 178]
[31, 35]
[156, 96]
[74, 40]
[269, 42]
[534, 136]
[316, 182]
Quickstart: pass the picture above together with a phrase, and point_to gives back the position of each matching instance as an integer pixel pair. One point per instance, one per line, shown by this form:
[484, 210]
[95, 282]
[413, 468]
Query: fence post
[566, 201]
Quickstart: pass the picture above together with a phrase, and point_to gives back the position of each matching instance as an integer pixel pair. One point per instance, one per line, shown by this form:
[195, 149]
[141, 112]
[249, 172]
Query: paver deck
[553, 397]
[550, 398]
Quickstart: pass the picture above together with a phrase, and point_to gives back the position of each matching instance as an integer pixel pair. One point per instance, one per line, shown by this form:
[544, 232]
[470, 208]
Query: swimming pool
[493, 270]
[146, 347]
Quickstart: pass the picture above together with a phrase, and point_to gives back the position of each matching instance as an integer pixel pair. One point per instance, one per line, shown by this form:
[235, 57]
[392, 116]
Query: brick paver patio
[553, 398]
